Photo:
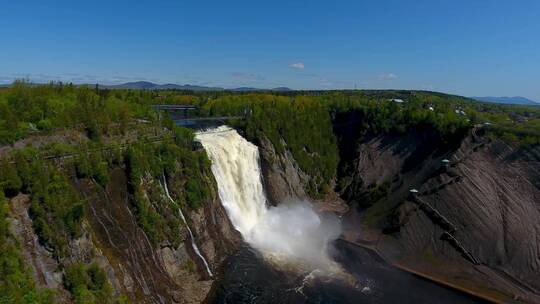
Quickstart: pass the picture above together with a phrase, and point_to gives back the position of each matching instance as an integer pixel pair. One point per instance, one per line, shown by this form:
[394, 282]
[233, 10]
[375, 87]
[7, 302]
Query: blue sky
[478, 47]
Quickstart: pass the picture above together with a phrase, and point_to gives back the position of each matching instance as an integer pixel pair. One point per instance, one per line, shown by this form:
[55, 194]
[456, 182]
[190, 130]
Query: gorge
[301, 198]
[292, 242]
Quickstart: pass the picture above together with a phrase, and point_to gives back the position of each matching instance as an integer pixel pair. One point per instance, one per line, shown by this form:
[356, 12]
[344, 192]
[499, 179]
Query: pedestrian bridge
[190, 116]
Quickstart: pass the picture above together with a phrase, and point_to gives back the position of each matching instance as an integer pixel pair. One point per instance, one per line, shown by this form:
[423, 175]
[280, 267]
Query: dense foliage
[391, 112]
[149, 163]
[27, 109]
[56, 208]
[444, 114]
[88, 284]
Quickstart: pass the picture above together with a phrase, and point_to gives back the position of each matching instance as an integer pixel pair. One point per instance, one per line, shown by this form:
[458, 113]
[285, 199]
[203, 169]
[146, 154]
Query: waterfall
[235, 165]
[291, 231]
[193, 244]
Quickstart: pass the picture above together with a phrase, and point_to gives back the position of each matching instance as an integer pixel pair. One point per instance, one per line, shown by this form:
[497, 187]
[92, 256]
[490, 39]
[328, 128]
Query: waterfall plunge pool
[249, 278]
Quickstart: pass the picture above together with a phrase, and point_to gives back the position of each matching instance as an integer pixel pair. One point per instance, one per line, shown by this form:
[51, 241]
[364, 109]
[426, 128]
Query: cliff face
[480, 211]
[491, 198]
[284, 181]
[282, 177]
[136, 268]
[44, 268]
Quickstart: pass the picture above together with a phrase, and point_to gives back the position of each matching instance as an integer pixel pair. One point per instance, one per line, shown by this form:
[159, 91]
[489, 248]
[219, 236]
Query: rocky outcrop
[403, 161]
[138, 270]
[480, 211]
[216, 235]
[284, 181]
[45, 270]
[495, 207]
[282, 178]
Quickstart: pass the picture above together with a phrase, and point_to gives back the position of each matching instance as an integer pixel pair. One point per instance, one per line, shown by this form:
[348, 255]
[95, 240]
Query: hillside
[517, 100]
[145, 85]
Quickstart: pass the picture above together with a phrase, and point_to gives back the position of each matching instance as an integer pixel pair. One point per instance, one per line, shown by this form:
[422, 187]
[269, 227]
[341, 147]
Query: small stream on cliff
[292, 254]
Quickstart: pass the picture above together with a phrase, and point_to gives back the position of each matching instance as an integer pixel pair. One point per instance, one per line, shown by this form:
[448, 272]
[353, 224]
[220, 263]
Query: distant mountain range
[146, 85]
[517, 100]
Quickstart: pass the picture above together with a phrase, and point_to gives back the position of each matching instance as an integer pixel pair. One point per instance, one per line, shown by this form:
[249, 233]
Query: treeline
[299, 122]
[110, 138]
[400, 111]
[27, 109]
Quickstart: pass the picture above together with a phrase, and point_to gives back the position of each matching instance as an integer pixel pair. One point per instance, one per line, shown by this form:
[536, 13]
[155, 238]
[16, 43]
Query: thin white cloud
[388, 76]
[297, 65]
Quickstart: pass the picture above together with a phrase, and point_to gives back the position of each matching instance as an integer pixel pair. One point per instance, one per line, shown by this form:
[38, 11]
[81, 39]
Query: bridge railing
[191, 113]
[170, 107]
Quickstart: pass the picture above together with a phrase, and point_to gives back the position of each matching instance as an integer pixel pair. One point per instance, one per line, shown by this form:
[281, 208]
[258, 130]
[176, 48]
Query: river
[248, 278]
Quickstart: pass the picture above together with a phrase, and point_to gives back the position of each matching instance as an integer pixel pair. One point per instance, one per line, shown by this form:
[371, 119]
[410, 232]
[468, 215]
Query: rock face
[216, 235]
[284, 181]
[482, 209]
[491, 198]
[282, 178]
[44, 267]
[136, 268]
[165, 274]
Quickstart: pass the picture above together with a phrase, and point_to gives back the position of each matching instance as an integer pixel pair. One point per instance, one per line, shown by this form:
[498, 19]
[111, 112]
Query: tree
[10, 182]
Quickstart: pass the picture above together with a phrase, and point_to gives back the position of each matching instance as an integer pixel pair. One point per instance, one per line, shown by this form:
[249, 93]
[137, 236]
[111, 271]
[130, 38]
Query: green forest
[297, 121]
[300, 120]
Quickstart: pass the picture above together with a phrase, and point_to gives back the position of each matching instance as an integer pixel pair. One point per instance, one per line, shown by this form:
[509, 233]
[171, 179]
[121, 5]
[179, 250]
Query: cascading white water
[236, 170]
[290, 231]
[193, 244]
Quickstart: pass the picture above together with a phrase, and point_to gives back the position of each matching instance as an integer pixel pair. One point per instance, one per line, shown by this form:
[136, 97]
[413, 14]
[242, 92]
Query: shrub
[10, 182]
[88, 284]
[44, 125]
